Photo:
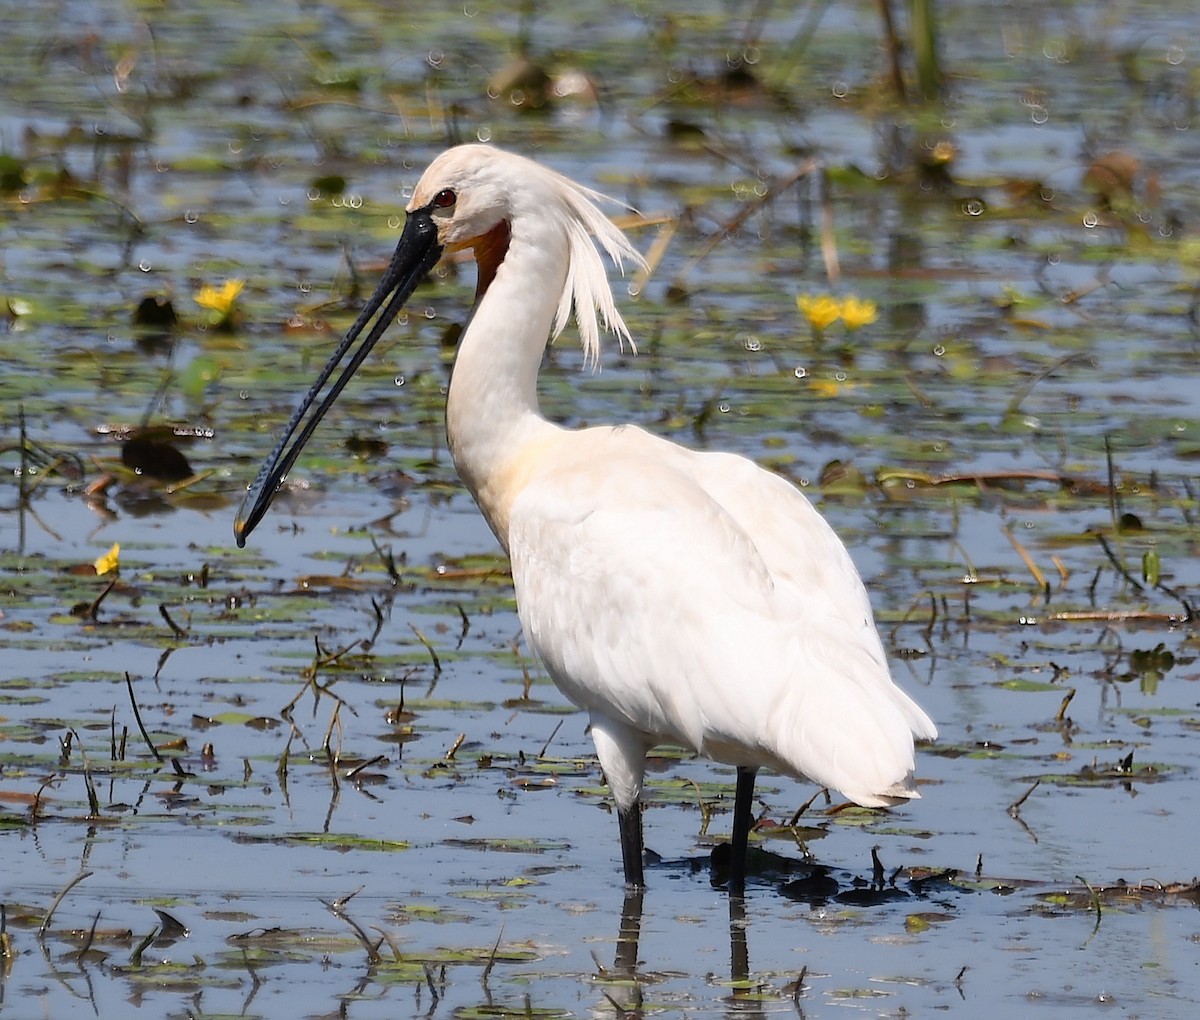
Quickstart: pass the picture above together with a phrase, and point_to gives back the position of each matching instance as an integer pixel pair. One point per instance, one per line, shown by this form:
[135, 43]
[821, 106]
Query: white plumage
[674, 595]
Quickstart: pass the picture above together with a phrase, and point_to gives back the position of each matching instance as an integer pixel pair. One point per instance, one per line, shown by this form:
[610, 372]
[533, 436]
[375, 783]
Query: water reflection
[742, 1000]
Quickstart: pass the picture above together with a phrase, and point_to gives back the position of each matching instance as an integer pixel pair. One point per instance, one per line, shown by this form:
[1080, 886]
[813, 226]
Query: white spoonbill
[677, 596]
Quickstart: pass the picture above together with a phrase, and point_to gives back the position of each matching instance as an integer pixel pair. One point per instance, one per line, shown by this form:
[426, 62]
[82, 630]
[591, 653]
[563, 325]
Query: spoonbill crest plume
[676, 596]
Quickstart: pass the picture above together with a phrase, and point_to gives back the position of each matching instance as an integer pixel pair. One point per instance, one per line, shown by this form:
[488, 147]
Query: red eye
[444, 199]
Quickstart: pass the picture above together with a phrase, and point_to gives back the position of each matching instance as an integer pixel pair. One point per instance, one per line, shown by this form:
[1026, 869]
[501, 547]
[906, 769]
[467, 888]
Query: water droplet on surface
[1090, 219]
[484, 134]
[399, 380]
[191, 216]
[144, 266]
[800, 372]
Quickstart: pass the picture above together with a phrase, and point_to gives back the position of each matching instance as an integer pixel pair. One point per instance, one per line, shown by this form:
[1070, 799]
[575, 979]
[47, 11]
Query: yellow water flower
[220, 299]
[824, 388]
[821, 310]
[110, 561]
[856, 313]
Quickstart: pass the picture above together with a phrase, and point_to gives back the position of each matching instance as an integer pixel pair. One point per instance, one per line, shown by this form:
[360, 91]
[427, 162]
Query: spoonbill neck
[493, 423]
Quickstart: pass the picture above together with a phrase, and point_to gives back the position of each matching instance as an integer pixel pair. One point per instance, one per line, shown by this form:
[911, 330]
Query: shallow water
[1026, 335]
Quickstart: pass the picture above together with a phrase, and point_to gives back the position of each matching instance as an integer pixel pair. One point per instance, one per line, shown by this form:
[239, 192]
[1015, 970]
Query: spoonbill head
[675, 595]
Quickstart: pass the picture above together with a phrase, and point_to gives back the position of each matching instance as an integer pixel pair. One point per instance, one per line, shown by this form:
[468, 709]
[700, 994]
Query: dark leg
[739, 952]
[625, 963]
[743, 802]
[630, 821]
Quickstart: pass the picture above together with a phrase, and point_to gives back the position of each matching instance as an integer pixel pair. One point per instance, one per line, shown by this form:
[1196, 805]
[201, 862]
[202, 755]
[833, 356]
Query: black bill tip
[416, 254]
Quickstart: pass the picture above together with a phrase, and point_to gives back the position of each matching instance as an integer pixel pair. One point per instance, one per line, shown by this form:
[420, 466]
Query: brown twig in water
[1061, 715]
[89, 612]
[705, 809]
[978, 478]
[337, 909]
[1095, 903]
[621, 1010]
[1014, 809]
[391, 941]
[802, 808]
[177, 630]
[432, 987]
[933, 615]
[135, 958]
[366, 764]
[734, 223]
[437, 663]
[1114, 499]
[654, 254]
[458, 742]
[918, 601]
[35, 809]
[93, 800]
[137, 715]
[1117, 565]
[1113, 616]
[59, 898]
[387, 559]
[333, 721]
[1032, 567]
[553, 733]
[466, 625]
[1045, 373]
[483, 978]
[876, 868]
[377, 609]
[324, 658]
[87, 942]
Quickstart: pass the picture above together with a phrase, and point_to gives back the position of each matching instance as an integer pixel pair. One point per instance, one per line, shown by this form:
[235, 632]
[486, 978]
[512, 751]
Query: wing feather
[699, 599]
